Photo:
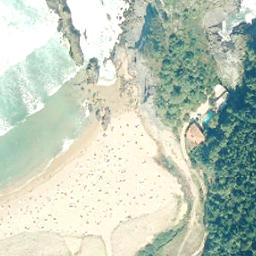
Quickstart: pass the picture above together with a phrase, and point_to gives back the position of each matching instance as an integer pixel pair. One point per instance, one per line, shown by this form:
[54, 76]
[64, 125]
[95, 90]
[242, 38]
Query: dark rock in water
[85, 35]
[66, 26]
[108, 16]
[92, 71]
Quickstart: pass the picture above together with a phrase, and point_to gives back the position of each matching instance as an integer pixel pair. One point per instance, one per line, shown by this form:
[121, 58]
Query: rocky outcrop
[133, 24]
[92, 71]
[216, 16]
[140, 71]
[66, 26]
[103, 116]
[228, 55]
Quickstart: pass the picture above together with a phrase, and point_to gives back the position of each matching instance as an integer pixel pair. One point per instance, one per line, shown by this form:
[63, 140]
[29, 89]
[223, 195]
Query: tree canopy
[230, 150]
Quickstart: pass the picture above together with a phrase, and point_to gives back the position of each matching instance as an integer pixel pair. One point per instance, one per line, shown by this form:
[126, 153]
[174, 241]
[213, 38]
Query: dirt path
[188, 172]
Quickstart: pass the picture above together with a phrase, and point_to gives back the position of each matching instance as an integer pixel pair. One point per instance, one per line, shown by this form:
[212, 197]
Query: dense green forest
[230, 152]
[180, 57]
[187, 77]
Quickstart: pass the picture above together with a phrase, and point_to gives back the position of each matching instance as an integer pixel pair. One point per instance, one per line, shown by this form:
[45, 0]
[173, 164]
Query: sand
[107, 179]
[107, 185]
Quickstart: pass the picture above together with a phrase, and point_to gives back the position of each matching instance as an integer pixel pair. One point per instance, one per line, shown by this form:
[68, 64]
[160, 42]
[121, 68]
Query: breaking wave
[101, 30]
[24, 27]
[66, 145]
[4, 127]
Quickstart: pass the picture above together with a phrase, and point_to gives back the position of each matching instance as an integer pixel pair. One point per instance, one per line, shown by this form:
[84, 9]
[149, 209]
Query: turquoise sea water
[26, 86]
[37, 112]
[33, 143]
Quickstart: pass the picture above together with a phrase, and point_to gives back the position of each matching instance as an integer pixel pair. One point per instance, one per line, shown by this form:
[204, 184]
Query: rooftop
[195, 135]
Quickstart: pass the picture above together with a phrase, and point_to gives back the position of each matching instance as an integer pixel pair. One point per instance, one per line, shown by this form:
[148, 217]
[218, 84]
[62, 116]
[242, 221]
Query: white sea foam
[24, 26]
[5, 127]
[33, 104]
[107, 74]
[66, 144]
[52, 87]
[250, 7]
[31, 100]
[246, 14]
[85, 108]
[101, 21]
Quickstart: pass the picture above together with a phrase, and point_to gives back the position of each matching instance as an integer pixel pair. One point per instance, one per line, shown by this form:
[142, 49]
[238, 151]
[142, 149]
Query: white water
[21, 33]
[66, 145]
[4, 126]
[28, 36]
[101, 20]
[29, 28]
[34, 65]
[251, 6]
[246, 14]
[30, 98]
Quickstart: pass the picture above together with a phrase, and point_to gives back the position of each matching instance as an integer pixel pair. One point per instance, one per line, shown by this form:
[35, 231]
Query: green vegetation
[152, 42]
[187, 77]
[177, 48]
[163, 240]
[160, 241]
[230, 151]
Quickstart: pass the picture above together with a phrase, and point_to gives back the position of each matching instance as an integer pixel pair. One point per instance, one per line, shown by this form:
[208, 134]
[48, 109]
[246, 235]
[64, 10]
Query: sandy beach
[108, 180]
[108, 184]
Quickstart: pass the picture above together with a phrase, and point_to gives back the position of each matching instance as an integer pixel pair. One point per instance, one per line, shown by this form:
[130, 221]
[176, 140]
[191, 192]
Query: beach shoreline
[107, 183]
[121, 157]
[40, 175]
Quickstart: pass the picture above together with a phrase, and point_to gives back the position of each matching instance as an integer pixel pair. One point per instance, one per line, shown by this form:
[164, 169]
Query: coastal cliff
[66, 26]
[138, 69]
[227, 54]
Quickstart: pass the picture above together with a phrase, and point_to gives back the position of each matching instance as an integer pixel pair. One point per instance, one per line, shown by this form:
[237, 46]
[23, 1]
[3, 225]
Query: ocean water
[33, 66]
[35, 120]
[26, 87]
[33, 143]
[39, 117]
